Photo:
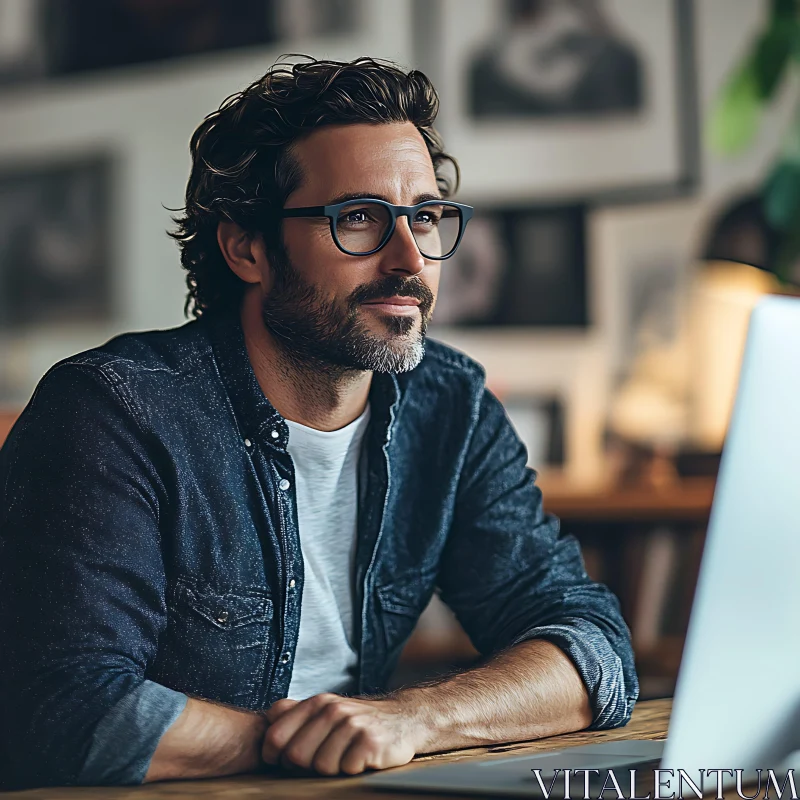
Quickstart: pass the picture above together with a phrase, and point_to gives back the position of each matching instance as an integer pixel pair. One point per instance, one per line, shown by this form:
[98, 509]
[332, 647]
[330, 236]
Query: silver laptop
[737, 700]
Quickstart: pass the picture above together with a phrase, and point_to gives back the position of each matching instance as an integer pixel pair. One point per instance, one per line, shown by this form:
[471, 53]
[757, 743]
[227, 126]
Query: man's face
[330, 308]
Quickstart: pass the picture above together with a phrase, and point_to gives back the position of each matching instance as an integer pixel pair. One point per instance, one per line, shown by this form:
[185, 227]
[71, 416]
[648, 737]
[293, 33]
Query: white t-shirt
[326, 481]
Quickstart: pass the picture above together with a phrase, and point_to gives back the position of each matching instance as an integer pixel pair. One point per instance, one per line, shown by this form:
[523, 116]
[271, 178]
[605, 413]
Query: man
[216, 539]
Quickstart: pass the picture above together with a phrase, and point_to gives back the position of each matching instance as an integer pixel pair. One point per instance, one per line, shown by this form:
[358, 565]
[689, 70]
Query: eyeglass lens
[362, 227]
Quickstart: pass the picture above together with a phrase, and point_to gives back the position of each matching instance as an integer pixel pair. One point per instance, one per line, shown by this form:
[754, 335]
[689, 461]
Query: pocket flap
[224, 610]
[401, 599]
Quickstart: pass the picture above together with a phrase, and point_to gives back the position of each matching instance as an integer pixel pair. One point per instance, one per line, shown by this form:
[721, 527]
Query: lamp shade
[742, 234]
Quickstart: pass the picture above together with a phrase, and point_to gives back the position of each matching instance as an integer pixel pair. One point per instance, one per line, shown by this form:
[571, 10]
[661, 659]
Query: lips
[393, 296]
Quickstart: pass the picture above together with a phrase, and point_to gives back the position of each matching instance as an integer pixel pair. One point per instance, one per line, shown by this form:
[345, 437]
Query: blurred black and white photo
[55, 261]
[539, 423]
[555, 57]
[44, 38]
[471, 280]
[568, 100]
[518, 266]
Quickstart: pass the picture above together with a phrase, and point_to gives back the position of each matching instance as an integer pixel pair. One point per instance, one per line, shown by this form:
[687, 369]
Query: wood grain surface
[686, 500]
[649, 721]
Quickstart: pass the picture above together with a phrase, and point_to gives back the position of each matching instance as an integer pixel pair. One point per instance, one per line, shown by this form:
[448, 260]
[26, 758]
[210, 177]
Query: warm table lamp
[738, 255]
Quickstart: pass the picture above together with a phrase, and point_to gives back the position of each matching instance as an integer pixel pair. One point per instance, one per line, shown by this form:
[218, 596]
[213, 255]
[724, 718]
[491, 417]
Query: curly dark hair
[242, 165]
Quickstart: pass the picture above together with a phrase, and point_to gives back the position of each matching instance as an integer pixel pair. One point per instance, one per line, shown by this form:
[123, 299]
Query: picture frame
[539, 421]
[49, 39]
[518, 266]
[56, 260]
[648, 255]
[563, 133]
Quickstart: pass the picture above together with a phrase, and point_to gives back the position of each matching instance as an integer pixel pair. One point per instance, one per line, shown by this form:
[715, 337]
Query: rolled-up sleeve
[509, 574]
[83, 588]
[117, 757]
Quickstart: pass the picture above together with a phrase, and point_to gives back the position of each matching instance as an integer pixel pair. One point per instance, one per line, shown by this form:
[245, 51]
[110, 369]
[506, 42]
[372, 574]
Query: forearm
[530, 691]
[208, 740]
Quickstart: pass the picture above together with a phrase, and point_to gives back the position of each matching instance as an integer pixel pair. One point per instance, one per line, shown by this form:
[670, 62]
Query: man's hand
[529, 691]
[331, 734]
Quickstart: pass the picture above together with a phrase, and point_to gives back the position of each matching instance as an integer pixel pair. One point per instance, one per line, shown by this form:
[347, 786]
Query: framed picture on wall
[569, 99]
[55, 243]
[50, 37]
[518, 266]
[539, 423]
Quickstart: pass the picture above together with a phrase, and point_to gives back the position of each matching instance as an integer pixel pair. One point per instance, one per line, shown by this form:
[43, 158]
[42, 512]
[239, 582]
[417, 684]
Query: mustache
[394, 286]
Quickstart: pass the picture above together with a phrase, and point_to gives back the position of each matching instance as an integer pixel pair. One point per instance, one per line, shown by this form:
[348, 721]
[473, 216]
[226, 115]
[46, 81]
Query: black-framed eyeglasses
[362, 227]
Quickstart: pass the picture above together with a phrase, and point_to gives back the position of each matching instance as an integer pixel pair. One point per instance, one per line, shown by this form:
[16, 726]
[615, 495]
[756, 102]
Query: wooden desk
[687, 500]
[649, 722]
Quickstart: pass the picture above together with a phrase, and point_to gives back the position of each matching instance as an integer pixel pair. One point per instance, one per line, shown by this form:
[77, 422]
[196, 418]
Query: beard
[332, 336]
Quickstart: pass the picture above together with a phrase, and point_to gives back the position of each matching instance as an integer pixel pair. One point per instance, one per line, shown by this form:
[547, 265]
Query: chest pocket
[217, 643]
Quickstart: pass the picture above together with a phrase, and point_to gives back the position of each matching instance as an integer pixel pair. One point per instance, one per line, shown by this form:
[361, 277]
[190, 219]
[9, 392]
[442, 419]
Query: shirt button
[274, 434]
[285, 658]
[222, 617]
[284, 484]
[248, 443]
[292, 583]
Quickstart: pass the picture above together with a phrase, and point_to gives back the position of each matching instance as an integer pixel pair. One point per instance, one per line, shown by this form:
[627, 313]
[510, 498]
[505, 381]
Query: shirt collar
[258, 419]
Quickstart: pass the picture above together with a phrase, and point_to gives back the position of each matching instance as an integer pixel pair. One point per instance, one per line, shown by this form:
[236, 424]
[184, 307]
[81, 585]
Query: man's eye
[359, 216]
[426, 218]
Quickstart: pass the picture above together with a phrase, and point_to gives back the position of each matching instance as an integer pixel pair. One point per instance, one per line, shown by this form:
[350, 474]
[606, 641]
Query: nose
[401, 254]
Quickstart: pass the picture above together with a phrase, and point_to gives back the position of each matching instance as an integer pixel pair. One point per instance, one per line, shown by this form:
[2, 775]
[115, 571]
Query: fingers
[357, 756]
[279, 708]
[288, 721]
[332, 734]
[328, 758]
[303, 746]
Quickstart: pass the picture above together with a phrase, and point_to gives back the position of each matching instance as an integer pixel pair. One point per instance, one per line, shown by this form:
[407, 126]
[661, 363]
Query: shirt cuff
[598, 665]
[125, 739]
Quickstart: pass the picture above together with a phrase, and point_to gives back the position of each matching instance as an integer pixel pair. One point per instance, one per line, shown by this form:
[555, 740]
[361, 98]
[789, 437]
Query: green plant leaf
[735, 118]
[784, 8]
[790, 149]
[782, 195]
[771, 54]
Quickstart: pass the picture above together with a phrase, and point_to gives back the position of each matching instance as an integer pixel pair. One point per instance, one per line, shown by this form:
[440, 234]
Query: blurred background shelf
[685, 500]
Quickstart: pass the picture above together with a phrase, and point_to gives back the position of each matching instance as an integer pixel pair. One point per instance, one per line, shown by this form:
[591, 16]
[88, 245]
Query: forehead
[389, 160]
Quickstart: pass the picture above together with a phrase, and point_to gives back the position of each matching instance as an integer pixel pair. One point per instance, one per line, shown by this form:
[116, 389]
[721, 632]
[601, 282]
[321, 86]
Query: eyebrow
[343, 198]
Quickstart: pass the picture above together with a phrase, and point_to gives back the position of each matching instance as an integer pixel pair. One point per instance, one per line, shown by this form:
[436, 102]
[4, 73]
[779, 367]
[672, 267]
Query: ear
[243, 252]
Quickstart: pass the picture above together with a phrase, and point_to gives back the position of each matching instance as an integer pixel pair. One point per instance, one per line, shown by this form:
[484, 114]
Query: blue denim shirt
[149, 547]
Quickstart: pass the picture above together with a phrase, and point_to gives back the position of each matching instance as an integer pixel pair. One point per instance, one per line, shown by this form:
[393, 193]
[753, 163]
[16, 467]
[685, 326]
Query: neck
[321, 396]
